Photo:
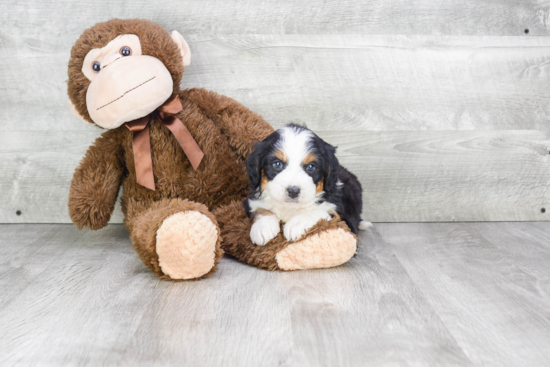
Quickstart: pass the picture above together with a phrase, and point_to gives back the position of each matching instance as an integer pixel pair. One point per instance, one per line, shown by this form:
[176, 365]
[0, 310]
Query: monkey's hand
[96, 182]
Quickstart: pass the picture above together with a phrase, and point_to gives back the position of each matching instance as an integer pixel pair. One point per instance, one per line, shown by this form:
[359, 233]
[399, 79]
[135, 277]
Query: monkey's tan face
[125, 85]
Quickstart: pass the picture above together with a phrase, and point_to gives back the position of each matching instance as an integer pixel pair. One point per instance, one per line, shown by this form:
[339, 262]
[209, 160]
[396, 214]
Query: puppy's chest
[285, 211]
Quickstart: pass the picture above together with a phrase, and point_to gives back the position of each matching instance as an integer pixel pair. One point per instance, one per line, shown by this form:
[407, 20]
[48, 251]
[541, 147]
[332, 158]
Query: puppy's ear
[331, 167]
[253, 168]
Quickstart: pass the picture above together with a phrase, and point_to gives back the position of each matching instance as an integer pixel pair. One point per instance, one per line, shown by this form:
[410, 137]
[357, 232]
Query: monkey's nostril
[293, 191]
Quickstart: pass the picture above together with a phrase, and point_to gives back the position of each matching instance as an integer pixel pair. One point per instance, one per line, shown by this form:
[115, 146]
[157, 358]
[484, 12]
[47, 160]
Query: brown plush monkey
[179, 156]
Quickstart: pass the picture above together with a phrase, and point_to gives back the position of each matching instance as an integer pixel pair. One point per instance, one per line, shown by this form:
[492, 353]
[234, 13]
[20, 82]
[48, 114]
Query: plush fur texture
[155, 41]
[224, 130]
[145, 226]
[309, 252]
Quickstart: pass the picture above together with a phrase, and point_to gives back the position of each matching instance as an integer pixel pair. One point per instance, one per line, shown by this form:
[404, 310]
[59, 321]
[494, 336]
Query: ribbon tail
[185, 139]
[143, 162]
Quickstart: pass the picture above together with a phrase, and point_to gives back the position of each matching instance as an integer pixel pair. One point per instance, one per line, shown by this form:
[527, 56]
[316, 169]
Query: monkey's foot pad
[186, 245]
[326, 249]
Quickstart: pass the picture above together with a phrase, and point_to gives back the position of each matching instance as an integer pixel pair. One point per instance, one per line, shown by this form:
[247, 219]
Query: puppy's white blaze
[364, 225]
[295, 144]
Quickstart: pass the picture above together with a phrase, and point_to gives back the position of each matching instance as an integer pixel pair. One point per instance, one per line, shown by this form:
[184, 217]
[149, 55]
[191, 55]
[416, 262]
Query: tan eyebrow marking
[309, 158]
[281, 155]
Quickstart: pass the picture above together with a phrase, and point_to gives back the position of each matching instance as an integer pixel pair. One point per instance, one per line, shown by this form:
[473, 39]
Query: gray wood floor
[416, 294]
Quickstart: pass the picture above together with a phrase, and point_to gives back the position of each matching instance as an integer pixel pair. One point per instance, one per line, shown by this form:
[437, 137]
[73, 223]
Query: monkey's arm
[242, 126]
[96, 181]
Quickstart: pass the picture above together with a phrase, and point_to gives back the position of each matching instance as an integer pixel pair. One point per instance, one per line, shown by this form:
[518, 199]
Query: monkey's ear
[75, 112]
[183, 46]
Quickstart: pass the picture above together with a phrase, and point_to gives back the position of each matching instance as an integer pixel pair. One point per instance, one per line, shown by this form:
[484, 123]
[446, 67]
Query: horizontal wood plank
[449, 175]
[329, 82]
[339, 67]
[37, 170]
[406, 175]
[467, 17]
[382, 83]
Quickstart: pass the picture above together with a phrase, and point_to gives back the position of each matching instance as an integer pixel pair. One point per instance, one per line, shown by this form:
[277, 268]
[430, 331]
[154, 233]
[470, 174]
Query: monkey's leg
[177, 239]
[327, 244]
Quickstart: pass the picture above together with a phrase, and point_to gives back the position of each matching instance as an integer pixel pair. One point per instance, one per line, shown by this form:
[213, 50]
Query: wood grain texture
[406, 176]
[445, 17]
[449, 175]
[477, 277]
[37, 171]
[97, 304]
[415, 295]
[382, 83]
[330, 82]
[404, 68]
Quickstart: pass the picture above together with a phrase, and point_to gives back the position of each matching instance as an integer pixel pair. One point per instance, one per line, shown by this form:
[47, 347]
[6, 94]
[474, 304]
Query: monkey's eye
[278, 165]
[125, 51]
[310, 167]
[96, 66]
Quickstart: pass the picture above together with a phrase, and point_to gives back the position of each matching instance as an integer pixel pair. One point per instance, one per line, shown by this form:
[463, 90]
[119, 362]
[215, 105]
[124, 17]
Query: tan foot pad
[186, 245]
[322, 250]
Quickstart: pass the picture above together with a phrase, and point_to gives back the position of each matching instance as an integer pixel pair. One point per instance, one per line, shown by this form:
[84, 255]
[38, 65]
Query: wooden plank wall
[440, 107]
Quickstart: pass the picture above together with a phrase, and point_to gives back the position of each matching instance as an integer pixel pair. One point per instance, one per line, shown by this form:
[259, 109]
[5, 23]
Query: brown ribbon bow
[142, 142]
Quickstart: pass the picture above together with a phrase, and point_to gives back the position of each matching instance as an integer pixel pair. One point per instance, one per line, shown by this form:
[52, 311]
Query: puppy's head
[293, 165]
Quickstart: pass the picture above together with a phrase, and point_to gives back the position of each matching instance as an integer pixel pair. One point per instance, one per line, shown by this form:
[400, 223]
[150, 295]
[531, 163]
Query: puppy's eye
[310, 167]
[96, 66]
[278, 165]
[125, 51]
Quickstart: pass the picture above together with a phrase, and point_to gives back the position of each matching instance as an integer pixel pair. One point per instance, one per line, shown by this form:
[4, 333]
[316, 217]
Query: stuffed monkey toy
[180, 157]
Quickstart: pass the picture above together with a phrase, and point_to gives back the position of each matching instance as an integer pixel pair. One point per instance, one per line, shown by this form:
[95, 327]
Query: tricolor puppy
[295, 177]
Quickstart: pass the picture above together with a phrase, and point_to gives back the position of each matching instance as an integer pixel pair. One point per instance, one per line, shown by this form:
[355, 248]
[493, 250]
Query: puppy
[295, 177]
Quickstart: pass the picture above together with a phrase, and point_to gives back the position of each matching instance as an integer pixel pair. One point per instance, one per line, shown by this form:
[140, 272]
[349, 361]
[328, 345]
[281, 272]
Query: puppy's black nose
[293, 191]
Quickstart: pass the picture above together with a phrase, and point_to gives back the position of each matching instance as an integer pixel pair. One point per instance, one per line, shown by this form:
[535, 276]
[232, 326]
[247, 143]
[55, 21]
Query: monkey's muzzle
[128, 89]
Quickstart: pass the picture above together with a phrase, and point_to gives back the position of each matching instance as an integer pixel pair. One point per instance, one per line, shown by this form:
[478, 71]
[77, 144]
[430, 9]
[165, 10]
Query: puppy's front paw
[299, 225]
[264, 230]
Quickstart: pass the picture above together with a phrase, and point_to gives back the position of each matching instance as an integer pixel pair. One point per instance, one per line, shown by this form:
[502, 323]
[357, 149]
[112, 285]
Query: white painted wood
[406, 176]
[330, 82]
[399, 67]
[433, 176]
[443, 17]
[37, 168]
[382, 83]
[416, 294]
